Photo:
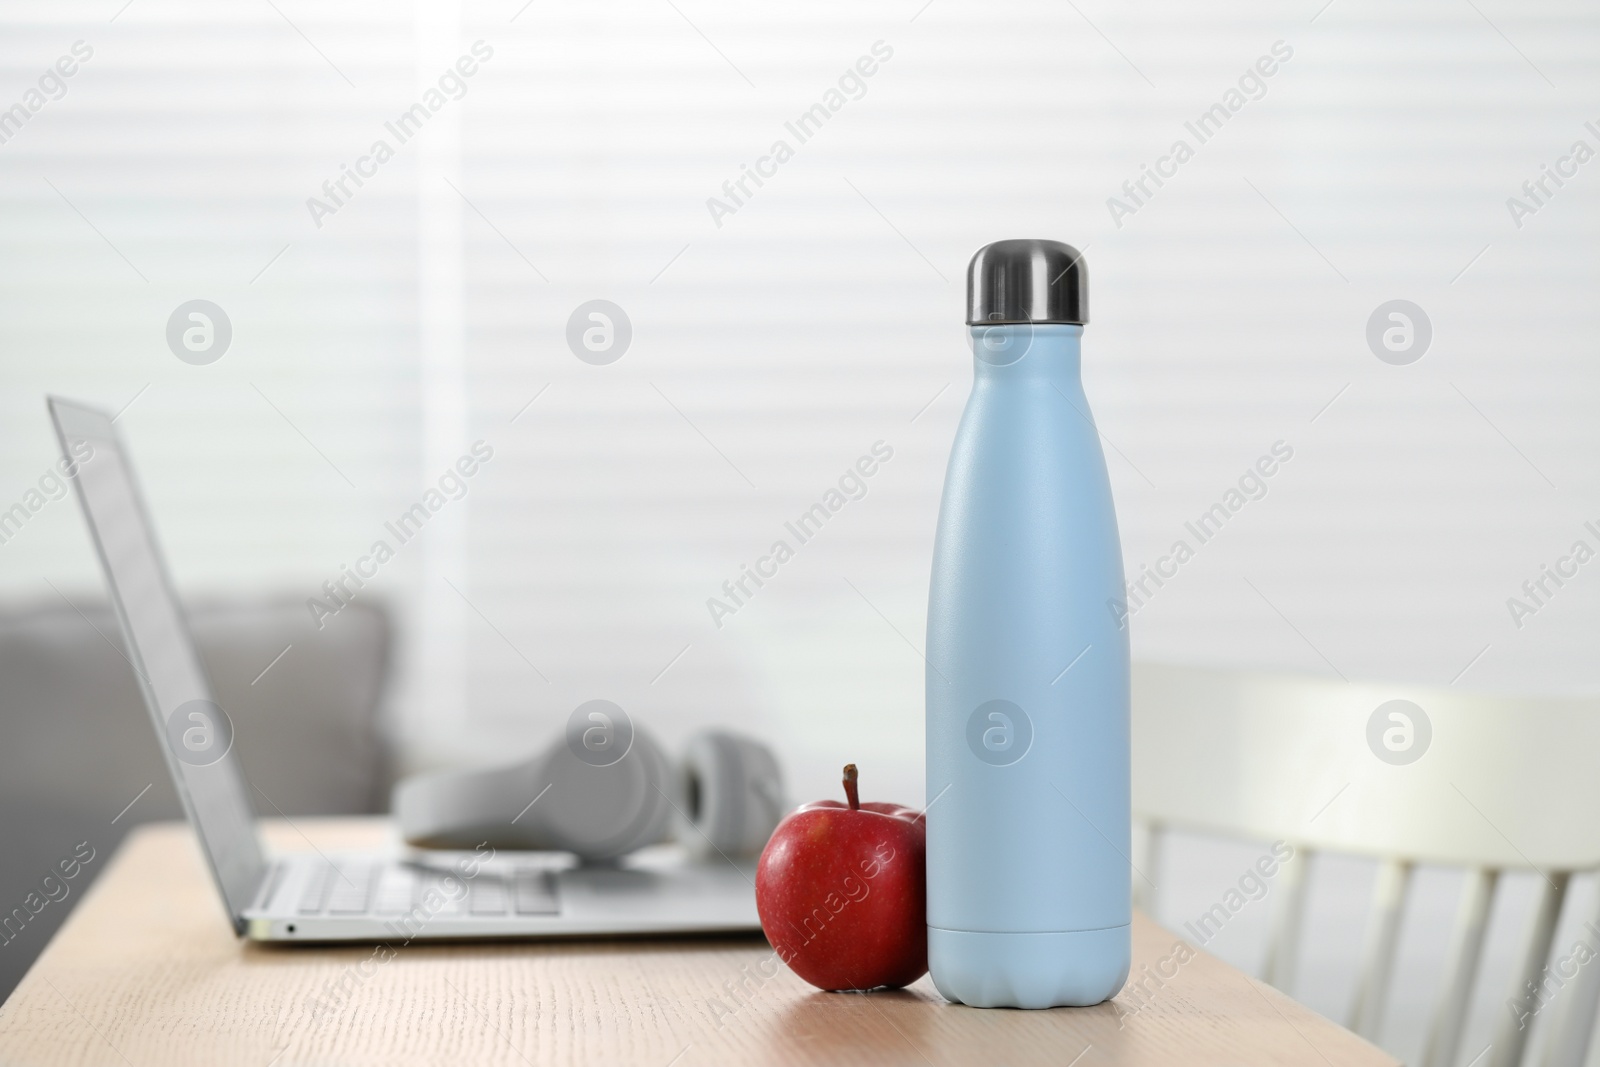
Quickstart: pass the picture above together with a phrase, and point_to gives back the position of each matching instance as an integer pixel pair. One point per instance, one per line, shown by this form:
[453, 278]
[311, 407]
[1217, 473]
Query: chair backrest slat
[1377, 956]
[1572, 1022]
[1146, 875]
[1511, 1035]
[1461, 969]
[1288, 921]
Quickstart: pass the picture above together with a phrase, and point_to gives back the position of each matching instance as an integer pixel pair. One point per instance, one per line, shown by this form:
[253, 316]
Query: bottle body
[1028, 817]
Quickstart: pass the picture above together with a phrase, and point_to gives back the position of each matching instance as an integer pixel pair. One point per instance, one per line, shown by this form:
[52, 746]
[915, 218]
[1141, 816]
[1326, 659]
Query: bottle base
[1032, 970]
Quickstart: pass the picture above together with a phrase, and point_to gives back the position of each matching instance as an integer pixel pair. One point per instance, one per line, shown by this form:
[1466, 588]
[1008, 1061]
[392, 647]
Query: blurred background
[782, 329]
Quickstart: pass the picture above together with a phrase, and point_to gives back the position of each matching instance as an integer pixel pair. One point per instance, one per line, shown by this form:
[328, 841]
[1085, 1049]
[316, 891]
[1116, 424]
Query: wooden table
[147, 971]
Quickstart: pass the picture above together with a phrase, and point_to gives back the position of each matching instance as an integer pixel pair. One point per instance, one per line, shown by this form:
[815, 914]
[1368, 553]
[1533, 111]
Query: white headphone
[602, 791]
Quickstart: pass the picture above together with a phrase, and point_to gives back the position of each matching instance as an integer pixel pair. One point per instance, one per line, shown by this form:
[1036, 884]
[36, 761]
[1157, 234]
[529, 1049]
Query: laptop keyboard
[395, 889]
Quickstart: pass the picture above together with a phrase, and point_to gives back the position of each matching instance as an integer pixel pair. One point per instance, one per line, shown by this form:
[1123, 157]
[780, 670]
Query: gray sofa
[77, 746]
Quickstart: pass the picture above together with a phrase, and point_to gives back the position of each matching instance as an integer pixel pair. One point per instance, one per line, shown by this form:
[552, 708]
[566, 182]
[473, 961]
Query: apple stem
[850, 792]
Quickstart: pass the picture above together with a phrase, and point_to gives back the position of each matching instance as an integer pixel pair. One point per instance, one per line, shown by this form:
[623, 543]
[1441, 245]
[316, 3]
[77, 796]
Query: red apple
[842, 892]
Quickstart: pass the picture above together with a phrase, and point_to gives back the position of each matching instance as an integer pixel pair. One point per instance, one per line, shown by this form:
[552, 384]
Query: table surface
[147, 971]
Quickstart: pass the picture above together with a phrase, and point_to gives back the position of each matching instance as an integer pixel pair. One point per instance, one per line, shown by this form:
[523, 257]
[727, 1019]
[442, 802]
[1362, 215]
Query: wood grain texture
[147, 971]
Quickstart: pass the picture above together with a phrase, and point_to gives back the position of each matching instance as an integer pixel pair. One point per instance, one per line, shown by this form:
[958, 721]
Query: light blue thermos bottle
[1027, 681]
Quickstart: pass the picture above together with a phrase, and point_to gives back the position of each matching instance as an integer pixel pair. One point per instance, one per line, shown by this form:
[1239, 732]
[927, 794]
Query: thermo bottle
[1027, 679]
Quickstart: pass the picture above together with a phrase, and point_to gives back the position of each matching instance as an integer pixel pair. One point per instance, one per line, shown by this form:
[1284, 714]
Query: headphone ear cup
[602, 813]
[733, 797]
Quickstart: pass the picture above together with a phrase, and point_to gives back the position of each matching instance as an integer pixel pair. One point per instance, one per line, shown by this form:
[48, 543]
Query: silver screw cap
[1027, 281]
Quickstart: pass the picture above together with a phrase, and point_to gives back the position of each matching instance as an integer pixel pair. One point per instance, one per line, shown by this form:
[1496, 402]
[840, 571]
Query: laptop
[313, 897]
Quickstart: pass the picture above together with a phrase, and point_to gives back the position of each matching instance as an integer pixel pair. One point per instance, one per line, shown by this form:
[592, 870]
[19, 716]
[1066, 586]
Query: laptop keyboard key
[440, 893]
[395, 888]
[488, 896]
[536, 892]
[316, 890]
[352, 887]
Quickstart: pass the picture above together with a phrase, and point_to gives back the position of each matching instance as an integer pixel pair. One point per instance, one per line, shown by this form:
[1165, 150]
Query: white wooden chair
[1505, 783]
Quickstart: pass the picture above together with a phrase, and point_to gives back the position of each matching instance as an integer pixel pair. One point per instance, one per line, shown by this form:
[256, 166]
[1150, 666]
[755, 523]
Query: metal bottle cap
[1027, 281]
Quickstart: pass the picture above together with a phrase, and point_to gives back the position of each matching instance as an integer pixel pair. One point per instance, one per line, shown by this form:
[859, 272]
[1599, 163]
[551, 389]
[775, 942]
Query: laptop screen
[194, 735]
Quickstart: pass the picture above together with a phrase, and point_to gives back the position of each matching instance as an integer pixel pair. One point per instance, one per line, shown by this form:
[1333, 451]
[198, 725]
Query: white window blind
[774, 345]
